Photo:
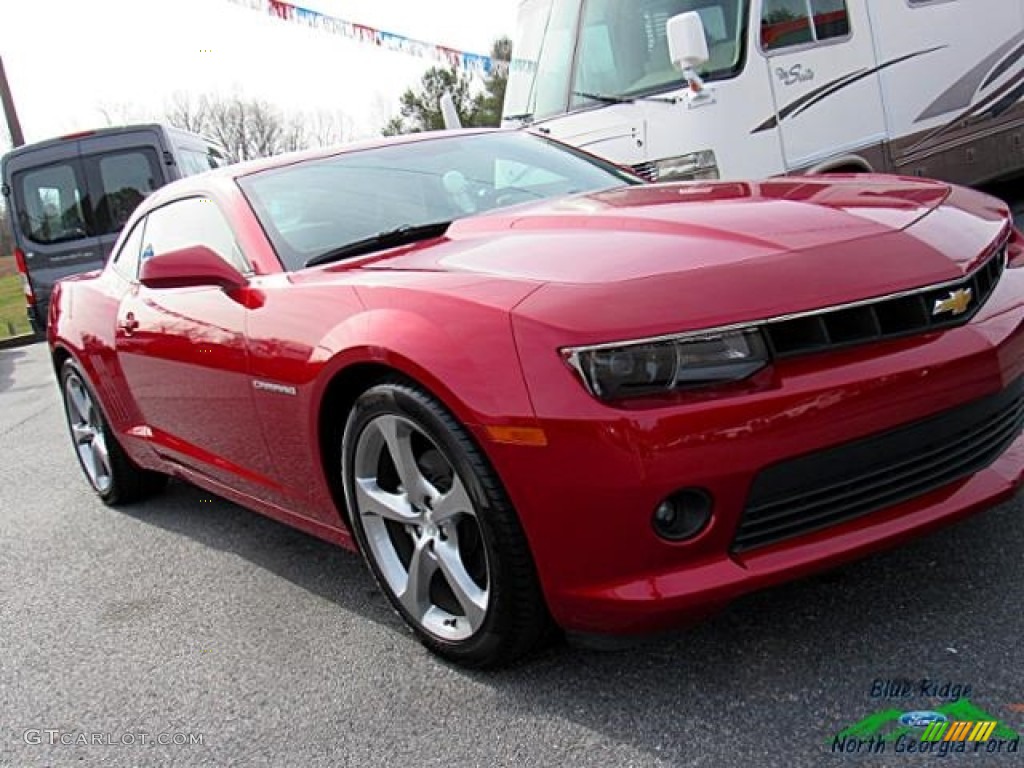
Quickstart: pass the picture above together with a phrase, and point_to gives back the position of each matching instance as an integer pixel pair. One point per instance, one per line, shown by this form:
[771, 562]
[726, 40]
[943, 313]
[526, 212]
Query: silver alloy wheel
[421, 528]
[86, 424]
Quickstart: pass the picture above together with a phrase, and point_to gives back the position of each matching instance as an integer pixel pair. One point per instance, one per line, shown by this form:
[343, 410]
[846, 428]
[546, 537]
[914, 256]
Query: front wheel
[437, 530]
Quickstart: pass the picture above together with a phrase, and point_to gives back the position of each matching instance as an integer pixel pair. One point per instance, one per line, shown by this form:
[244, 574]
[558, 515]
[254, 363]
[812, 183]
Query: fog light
[683, 514]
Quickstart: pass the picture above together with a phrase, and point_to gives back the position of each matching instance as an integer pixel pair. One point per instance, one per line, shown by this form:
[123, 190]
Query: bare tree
[324, 128]
[120, 113]
[186, 112]
[248, 128]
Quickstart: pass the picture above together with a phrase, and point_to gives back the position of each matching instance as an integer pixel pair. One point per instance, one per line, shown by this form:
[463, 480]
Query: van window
[195, 161]
[125, 179]
[53, 203]
[785, 23]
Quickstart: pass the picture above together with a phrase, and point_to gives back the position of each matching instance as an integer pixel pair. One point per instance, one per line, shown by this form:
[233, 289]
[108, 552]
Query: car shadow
[797, 660]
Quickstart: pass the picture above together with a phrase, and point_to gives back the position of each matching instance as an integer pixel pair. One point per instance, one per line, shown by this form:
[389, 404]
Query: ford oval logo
[922, 719]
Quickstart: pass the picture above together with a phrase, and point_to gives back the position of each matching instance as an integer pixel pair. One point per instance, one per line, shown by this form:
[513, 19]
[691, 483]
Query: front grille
[886, 318]
[838, 484]
[646, 171]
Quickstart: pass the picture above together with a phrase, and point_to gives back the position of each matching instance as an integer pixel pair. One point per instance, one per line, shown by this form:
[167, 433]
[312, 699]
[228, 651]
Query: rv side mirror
[687, 45]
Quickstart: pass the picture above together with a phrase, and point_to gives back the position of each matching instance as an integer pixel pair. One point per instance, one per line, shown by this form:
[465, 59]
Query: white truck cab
[691, 89]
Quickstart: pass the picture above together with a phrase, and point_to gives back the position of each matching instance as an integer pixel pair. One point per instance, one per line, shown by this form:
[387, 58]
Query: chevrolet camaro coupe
[535, 392]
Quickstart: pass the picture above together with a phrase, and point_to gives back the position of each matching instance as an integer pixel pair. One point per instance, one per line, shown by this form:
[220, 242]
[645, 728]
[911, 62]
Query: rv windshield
[620, 47]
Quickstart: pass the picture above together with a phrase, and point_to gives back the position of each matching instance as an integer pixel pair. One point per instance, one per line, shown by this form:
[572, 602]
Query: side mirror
[687, 44]
[189, 267]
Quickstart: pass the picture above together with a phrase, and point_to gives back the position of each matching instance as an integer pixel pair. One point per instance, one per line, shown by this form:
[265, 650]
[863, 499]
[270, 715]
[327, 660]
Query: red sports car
[533, 391]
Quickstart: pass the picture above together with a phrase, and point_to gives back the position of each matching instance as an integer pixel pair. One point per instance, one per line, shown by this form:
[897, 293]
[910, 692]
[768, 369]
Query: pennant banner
[470, 62]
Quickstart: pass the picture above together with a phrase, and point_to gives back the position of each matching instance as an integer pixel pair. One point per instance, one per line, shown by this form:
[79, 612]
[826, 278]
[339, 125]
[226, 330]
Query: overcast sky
[67, 59]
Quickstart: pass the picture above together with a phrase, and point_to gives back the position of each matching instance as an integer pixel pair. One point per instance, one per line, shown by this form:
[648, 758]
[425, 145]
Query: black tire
[121, 481]
[516, 619]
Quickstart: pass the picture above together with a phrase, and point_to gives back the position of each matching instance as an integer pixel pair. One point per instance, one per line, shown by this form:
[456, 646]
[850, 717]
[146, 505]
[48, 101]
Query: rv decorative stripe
[1004, 66]
[995, 103]
[808, 100]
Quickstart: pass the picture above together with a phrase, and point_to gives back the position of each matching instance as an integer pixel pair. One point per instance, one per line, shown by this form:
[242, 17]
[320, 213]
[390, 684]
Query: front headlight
[696, 166]
[613, 371]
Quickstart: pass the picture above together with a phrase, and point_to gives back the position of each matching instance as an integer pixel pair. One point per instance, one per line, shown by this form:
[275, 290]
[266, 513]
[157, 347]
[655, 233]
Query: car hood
[704, 254]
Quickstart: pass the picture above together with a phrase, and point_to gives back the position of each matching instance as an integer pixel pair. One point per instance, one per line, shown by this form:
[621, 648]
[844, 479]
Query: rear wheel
[115, 477]
[437, 530]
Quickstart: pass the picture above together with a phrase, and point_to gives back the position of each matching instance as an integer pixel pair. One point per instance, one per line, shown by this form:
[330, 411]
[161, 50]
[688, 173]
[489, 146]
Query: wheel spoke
[471, 597]
[371, 499]
[416, 595]
[398, 437]
[82, 433]
[101, 457]
[79, 400]
[445, 507]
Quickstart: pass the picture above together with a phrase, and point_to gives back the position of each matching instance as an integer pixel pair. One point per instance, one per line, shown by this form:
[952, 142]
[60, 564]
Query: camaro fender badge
[957, 302]
[269, 386]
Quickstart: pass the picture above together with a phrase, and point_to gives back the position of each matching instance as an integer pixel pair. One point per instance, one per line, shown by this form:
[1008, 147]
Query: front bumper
[586, 499]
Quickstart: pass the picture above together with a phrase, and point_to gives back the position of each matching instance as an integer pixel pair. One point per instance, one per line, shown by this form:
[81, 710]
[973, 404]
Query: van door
[52, 220]
[121, 170]
[824, 76]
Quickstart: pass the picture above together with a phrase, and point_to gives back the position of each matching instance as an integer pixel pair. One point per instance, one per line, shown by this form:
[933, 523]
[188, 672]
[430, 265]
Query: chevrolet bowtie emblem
[957, 302]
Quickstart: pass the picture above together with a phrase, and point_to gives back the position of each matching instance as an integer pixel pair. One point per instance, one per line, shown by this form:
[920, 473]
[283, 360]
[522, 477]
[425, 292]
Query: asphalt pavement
[239, 641]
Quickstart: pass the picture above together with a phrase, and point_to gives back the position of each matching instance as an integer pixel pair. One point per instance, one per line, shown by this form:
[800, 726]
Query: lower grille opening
[842, 483]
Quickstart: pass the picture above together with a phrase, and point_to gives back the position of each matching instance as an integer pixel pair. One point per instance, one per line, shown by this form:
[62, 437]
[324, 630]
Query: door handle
[129, 325]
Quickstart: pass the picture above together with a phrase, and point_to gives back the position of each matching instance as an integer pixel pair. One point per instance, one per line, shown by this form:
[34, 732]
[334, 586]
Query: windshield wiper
[524, 117]
[388, 239]
[602, 97]
[609, 99]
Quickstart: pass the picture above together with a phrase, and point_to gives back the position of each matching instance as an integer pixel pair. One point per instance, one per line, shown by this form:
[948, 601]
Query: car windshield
[314, 208]
[620, 51]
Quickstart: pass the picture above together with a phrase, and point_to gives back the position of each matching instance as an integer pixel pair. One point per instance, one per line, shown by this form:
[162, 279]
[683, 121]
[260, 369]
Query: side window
[786, 23]
[53, 203]
[194, 221]
[125, 179]
[126, 258]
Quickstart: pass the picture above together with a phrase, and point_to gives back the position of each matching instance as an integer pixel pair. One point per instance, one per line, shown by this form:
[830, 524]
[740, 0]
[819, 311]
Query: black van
[69, 197]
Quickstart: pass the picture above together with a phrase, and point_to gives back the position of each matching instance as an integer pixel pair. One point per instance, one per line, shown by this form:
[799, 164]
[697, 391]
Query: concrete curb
[21, 341]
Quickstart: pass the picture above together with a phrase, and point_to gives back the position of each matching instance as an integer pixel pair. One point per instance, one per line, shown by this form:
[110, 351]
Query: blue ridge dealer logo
[922, 719]
[956, 726]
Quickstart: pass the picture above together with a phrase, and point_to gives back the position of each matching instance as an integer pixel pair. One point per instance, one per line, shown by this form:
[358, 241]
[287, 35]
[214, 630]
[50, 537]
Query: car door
[821, 63]
[183, 355]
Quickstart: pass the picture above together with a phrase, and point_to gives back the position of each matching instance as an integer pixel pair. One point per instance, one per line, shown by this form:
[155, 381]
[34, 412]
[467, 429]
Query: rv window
[623, 49]
[125, 179]
[538, 84]
[786, 23]
[52, 209]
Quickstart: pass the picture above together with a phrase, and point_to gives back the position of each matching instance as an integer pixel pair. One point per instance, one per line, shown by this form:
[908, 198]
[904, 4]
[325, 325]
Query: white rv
[916, 87]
